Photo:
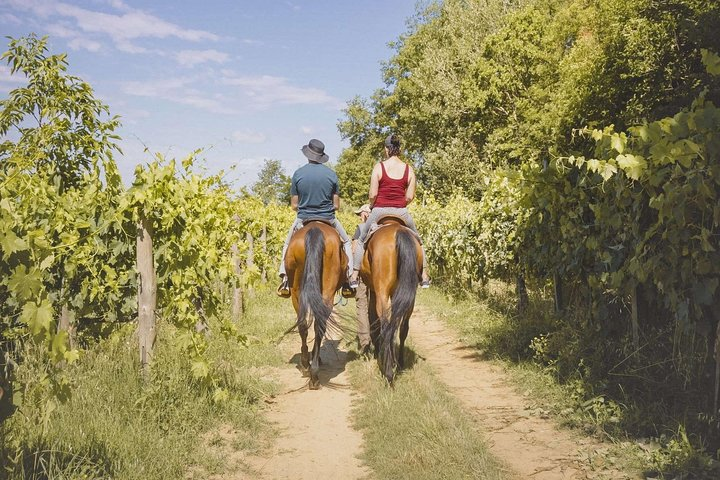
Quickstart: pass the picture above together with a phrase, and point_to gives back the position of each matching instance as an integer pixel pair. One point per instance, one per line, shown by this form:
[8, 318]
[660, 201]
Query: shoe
[347, 291]
[425, 283]
[284, 289]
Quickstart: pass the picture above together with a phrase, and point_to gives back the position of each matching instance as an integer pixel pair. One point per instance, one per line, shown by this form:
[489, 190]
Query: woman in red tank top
[392, 188]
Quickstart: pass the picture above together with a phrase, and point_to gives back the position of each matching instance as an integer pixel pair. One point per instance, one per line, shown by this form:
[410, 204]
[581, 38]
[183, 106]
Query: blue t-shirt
[315, 185]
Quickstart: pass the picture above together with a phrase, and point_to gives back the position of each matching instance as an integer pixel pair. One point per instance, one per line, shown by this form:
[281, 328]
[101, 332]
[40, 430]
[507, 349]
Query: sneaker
[425, 283]
[284, 289]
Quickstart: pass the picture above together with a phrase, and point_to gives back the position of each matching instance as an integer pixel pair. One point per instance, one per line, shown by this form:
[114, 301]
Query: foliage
[58, 187]
[505, 83]
[68, 227]
[449, 234]
[273, 184]
[356, 163]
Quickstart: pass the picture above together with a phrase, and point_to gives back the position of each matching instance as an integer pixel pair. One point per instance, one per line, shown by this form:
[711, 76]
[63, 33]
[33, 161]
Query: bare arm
[294, 202]
[412, 183]
[336, 201]
[374, 183]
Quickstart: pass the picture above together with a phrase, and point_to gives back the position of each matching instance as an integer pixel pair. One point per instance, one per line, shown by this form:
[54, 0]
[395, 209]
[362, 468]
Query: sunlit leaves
[632, 165]
[38, 317]
[711, 60]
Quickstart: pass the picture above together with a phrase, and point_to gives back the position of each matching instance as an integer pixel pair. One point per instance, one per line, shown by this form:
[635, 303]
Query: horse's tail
[402, 301]
[311, 298]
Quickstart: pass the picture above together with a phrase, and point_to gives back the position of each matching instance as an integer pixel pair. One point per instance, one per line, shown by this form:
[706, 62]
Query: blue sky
[246, 80]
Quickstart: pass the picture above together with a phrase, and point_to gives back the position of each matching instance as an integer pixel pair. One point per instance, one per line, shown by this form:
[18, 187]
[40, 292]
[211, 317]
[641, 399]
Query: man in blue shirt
[315, 193]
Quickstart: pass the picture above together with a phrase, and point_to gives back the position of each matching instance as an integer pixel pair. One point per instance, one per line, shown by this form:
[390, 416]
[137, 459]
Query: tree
[366, 140]
[273, 184]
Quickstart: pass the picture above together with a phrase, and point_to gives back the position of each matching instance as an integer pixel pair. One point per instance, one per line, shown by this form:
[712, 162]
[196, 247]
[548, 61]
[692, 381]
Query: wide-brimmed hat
[365, 208]
[315, 151]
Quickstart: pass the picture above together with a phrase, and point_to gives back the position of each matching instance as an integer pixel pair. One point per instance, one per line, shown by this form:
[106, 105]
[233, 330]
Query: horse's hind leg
[404, 327]
[315, 363]
[374, 324]
[304, 357]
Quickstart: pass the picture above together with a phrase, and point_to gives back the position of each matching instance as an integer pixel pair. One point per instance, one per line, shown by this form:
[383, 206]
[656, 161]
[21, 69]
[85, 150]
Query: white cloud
[190, 58]
[307, 130]
[248, 136]
[10, 18]
[178, 90]
[119, 5]
[84, 44]
[265, 91]
[130, 24]
[76, 40]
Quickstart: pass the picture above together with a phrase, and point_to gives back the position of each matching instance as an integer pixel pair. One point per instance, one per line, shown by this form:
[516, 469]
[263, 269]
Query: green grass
[121, 426]
[416, 430]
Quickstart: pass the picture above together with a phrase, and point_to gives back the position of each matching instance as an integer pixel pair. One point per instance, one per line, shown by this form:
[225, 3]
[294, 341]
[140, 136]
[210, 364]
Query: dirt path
[529, 444]
[315, 439]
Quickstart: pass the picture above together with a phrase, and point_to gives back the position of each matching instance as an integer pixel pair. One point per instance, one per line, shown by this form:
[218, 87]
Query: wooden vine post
[263, 245]
[238, 309]
[558, 293]
[634, 317]
[522, 294]
[147, 291]
[66, 322]
[250, 260]
[717, 369]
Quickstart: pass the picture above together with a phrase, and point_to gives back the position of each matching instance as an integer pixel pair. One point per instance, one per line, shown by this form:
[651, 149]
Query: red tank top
[391, 191]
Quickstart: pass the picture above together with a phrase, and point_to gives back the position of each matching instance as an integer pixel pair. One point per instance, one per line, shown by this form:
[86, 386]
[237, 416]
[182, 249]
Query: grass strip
[415, 430]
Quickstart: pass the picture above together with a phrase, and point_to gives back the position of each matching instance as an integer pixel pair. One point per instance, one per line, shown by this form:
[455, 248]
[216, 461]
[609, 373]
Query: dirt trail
[315, 439]
[529, 444]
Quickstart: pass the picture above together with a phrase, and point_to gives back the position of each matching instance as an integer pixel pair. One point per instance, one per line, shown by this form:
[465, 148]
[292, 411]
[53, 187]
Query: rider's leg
[347, 245]
[296, 225]
[357, 261]
[375, 215]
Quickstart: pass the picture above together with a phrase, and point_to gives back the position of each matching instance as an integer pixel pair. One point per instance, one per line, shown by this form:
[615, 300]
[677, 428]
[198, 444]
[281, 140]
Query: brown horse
[391, 269]
[316, 265]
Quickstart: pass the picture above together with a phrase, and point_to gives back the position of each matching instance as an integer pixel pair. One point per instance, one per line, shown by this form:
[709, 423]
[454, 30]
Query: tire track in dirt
[532, 446]
[315, 437]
